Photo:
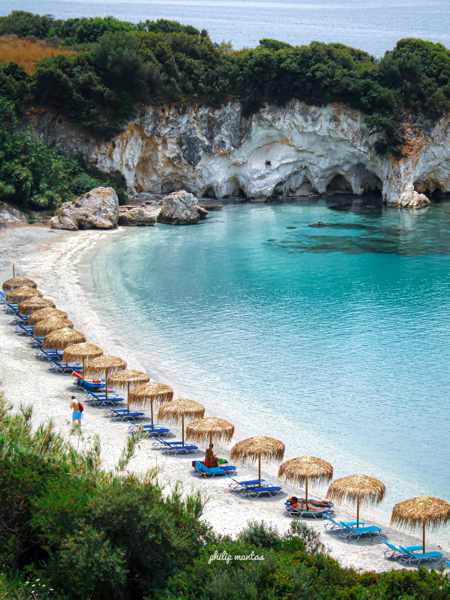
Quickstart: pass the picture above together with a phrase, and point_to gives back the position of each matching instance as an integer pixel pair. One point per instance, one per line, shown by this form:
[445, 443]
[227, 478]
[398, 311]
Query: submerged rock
[97, 209]
[138, 215]
[181, 208]
[11, 216]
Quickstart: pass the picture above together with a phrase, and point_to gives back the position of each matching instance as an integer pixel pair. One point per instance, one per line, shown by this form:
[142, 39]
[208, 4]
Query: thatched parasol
[357, 488]
[257, 448]
[180, 409]
[304, 469]
[45, 313]
[16, 282]
[210, 428]
[61, 338]
[46, 326]
[35, 303]
[127, 378]
[421, 511]
[81, 351]
[22, 293]
[107, 364]
[151, 392]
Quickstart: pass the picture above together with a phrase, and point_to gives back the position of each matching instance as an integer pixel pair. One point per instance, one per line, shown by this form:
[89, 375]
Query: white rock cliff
[292, 150]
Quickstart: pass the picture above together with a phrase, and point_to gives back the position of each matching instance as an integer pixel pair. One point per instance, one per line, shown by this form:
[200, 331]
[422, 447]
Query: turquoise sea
[336, 338]
[372, 25]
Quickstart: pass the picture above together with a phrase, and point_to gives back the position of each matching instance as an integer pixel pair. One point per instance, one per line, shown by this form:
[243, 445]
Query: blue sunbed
[243, 486]
[150, 430]
[91, 385]
[341, 526]
[255, 487]
[218, 471]
[123, 414]
[353, 533]
[63, 367]
[394, 552]
[175, 447]
[420, 557]
[311, 512]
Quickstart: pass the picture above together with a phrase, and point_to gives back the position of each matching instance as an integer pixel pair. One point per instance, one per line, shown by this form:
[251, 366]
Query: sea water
[372, 25]
[327, 328]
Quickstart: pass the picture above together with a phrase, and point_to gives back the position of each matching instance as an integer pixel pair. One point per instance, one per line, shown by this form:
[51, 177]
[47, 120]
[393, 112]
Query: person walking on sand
[77, 411]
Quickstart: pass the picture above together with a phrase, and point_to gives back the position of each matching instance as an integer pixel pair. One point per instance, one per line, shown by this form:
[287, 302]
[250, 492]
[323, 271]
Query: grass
[26, 52]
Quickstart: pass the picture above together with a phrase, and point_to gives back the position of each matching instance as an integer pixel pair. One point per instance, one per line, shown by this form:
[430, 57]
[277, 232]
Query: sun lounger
[205, 471]
[418, 558]
[242, 486]
[63, 367]
[123, 414]
[175, 447]
[340, 526]
[394, 552]
[353, 533]
[94, 386]
[263, 490]
[311, 512]
[149, 430]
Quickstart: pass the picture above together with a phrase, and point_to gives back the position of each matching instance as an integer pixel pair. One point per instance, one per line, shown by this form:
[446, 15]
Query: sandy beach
[55, 261]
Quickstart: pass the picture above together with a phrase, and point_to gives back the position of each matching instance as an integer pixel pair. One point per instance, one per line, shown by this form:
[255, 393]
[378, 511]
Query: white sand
[53, 260]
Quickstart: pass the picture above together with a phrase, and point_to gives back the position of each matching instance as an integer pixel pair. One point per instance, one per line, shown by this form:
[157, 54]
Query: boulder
[181, 208]
[97, 209]
[11, 216]
[138, 215]
[412, 199]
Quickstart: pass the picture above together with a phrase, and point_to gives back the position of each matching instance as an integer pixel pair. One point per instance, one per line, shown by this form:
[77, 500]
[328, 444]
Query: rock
[412, 199]
[11, 216]
[181, 208]
[97, 209]
[142, 214]
[288, 150]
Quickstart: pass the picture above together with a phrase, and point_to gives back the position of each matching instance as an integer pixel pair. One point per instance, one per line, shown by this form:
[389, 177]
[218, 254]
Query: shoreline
[59, 261]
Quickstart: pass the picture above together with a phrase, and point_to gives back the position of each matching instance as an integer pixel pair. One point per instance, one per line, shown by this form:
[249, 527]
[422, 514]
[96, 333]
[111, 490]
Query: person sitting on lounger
[210, 459]
[293, 501]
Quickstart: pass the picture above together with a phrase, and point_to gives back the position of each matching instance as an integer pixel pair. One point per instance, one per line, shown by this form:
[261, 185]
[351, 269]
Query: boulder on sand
[181, 208]
[97, 209]
[138, 215]
[11, 216]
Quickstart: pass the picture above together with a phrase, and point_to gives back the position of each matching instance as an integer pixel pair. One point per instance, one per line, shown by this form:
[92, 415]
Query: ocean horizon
[371, 25]
[332, 338]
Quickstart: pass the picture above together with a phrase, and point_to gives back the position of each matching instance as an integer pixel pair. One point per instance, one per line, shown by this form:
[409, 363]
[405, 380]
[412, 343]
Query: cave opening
[339, 185]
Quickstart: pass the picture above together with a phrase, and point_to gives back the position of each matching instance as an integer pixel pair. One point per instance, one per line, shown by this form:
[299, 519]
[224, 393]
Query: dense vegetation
[116, 66]
[69, 530]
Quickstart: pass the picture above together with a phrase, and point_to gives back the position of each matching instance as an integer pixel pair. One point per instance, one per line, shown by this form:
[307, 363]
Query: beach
[57, 261]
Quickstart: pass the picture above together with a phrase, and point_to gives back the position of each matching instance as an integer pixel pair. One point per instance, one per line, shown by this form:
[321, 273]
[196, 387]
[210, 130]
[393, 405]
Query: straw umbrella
[181, 409]
[22, 293]
[304, 469]
[357, 488]
[106, 364]
[46, 326]
[35, 303]
[421, 511]
[61, 338]
[256, 448]
[151, 392]
[127, 378]
[45, 313]
[81, 351]
[210, 428]
[16, 282]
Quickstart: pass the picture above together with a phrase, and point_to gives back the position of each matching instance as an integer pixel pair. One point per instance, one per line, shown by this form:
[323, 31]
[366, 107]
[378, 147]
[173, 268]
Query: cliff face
[279, 151]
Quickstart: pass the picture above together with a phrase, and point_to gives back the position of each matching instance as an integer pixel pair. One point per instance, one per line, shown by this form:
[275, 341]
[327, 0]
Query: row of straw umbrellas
[58, 332]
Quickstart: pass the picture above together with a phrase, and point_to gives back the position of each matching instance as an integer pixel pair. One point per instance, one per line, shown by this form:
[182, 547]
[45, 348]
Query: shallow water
[373, 25]
[334, 338]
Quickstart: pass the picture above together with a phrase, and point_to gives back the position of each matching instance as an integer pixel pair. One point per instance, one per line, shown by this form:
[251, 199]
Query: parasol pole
[182, 427]
[423, 537]
[259, 469]
[151, 411]
[306, 492]
[357, 512]
[106, 383]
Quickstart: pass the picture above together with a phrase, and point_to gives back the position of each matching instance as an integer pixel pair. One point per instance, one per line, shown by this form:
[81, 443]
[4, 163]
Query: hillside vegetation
[27, 52]
[69, 530]
[109, 68]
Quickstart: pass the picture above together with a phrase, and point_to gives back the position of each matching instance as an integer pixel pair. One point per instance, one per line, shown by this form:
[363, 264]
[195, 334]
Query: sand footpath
[55, 261]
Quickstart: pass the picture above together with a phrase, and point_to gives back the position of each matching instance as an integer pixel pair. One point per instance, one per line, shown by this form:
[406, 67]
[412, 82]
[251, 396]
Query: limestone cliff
[292, 150]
